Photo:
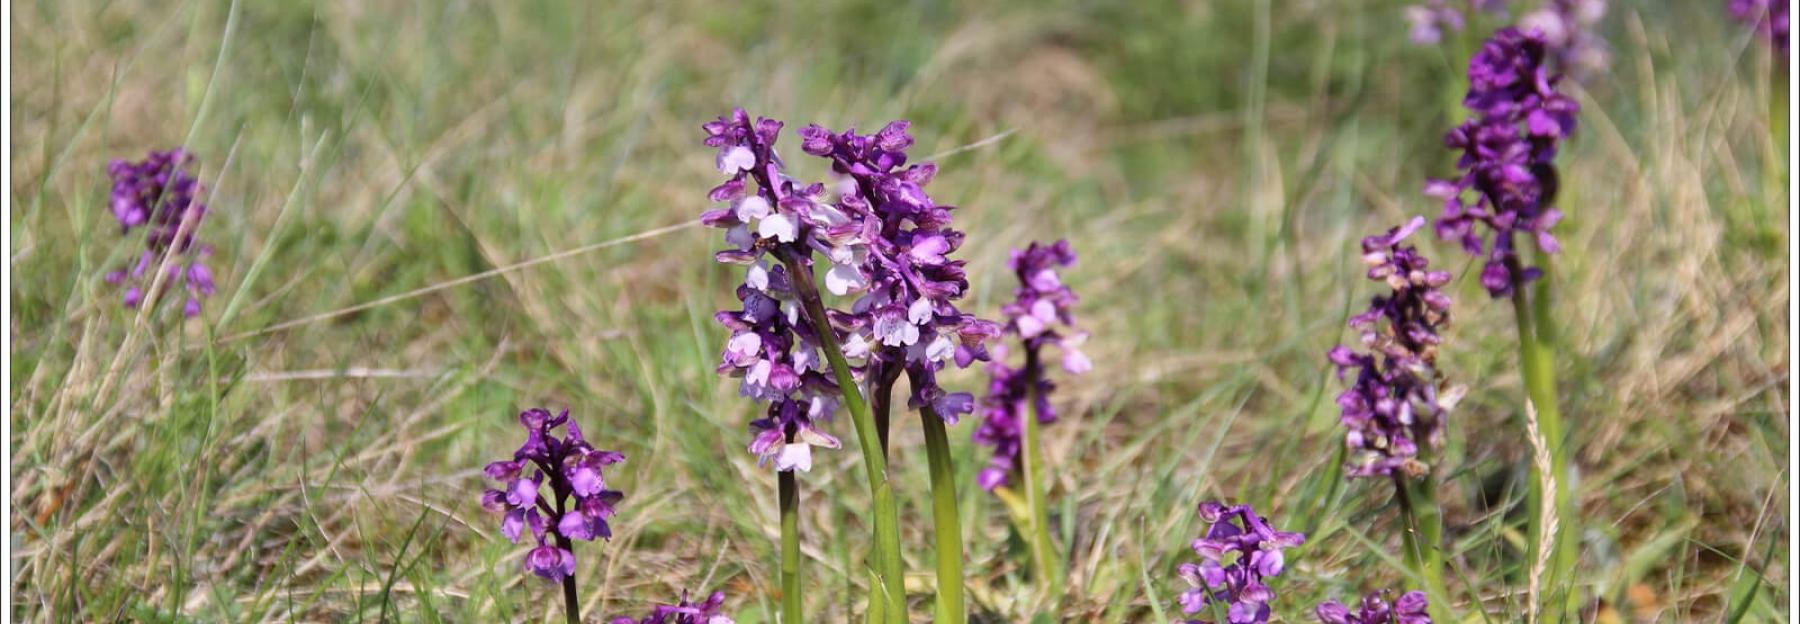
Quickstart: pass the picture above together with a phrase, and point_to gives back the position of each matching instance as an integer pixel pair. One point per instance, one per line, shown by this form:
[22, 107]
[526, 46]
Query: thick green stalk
[1043, 550]
[1538, 370]
[791, 604]
[890, 589]
[880, 398]
[946, 524]
[1424, 539]
[1778, 121]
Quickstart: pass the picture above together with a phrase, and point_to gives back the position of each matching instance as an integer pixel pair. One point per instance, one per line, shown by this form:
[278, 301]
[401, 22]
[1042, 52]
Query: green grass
[1214, 163]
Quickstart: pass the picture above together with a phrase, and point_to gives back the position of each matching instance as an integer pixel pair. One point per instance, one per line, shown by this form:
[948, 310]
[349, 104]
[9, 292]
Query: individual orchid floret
[787, 435]
[1768, 17]
[685, 612]
[1040, 314]
[1375, 609]
[1508, 147]
[1238, 555]
[575, 505]
[891, 247]
[161, 196]
[1396, 402]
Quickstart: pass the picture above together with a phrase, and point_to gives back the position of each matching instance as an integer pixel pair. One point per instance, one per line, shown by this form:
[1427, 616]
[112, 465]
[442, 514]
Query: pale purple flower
[685, 612]
[1508, 147]
[577, 503]
[1396, 402]
[160, 195]
[1568, 27]
[1768, 17]
[1041, 314]
[1375, 609]
[1239, 553]
[1429, 20]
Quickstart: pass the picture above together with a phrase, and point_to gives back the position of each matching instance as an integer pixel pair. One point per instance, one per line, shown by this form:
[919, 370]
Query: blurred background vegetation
[1214, 163]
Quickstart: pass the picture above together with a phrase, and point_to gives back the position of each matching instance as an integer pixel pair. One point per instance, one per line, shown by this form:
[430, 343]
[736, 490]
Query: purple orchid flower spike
[1568, 28]
[554, 486]
[1768, 17]
[1041, 314]
[773, 348]
[1508, 147]
[161, 196]
[1239, 553]
[889, 244]
[1396, 402]
[886, 242]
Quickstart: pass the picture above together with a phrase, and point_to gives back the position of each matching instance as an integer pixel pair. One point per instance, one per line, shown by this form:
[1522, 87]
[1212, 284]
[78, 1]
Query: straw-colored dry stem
[1540, 459]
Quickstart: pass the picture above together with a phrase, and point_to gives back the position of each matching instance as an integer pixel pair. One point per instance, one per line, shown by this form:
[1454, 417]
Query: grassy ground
[1214, 163]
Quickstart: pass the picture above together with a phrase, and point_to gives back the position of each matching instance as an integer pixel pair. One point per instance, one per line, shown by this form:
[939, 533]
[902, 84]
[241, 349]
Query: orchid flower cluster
[1238, 555]
[893, 248]
[578, 504]
[1041, 305]
[686, 612]
[887, 245]
[885, 240]
[1768, 17]
[160, 195]
[1375, 609]
[1395, 403]
[1508, 147]
[774, 348]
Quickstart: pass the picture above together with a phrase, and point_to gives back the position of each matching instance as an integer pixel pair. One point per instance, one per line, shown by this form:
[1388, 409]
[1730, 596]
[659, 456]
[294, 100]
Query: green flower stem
[1778, 120]
[890, 588]
[1424, 539]
[946, 524]
[1538, 370]
[1043, 550]
[791, 604]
